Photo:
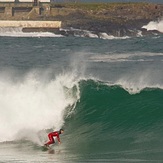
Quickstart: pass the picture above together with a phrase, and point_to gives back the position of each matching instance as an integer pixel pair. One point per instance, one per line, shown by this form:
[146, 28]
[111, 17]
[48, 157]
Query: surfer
[54, 134]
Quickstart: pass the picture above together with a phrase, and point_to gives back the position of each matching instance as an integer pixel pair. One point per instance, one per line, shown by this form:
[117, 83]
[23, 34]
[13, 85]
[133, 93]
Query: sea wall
[31, 24]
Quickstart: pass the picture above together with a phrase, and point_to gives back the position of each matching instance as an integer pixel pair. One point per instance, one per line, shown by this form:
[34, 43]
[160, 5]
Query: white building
[7, 0]
[24, 0]
[33, 0]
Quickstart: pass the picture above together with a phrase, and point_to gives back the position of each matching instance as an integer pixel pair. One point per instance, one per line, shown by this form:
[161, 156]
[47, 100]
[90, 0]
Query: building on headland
[24, 9]
[34, 1]
[28, 14]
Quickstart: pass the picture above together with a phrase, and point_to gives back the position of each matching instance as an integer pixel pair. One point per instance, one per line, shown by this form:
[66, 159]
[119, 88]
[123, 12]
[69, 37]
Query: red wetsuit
[51, 135]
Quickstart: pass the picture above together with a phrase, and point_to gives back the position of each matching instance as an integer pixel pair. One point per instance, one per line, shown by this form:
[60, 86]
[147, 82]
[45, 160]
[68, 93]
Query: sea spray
[139, 80]
[31, 104]
[18, 32]
[154, 25]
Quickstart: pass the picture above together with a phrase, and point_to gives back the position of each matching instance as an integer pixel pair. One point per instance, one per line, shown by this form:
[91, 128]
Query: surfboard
[48, 149]
[43, 148]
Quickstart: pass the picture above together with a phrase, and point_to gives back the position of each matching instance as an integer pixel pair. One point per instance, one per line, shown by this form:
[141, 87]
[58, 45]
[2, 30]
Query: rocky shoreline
[125, 19]
[116, 19]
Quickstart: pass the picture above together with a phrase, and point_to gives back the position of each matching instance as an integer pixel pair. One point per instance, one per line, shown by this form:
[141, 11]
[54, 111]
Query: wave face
[106, 94]
[108, 118]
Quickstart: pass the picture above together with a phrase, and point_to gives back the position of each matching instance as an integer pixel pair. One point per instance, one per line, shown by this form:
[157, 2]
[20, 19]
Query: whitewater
[105, 92]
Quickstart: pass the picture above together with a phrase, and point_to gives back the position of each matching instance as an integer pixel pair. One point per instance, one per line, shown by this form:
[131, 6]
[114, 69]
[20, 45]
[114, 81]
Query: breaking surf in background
[152, 28]
[154, 25]
[106, 94]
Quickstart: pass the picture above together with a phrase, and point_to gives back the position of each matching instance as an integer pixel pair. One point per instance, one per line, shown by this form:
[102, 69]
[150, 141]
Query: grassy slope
[105, 14]
[114, 11]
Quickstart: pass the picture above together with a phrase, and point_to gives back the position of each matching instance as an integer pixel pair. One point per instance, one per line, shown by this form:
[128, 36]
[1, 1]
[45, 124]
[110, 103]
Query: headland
[118, 19]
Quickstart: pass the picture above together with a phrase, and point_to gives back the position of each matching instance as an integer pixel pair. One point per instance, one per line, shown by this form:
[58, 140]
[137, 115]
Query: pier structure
[23, 9]
[30, 15]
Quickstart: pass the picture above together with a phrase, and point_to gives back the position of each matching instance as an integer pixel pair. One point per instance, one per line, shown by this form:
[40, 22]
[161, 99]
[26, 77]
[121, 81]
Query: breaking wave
[18, 32]
[32, 104]
[154, 25]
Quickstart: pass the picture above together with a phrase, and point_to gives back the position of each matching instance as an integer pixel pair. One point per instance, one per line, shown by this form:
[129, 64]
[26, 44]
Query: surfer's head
[61, 131]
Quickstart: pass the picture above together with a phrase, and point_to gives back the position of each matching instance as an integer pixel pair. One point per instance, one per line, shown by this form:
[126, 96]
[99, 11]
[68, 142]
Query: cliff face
[113, 18]
[114, 12]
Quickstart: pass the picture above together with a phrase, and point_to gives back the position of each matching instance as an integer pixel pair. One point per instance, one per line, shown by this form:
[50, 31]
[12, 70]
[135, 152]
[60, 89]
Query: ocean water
[107, 93]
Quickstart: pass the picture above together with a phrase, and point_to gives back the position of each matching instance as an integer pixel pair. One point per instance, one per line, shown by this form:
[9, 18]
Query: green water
[106, 94]
[108, 120]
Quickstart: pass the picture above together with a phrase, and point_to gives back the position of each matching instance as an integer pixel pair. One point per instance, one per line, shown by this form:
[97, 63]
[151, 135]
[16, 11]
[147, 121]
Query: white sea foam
[105, 36]
[154, 25]
[135, 84]
[137, 79]
[84, 33]
[91, 34]
[124, 57]
[31, 105]
[17, 32]
[139, 33]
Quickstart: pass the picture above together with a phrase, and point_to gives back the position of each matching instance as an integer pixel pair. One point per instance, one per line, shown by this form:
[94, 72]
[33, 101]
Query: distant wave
[138, 57]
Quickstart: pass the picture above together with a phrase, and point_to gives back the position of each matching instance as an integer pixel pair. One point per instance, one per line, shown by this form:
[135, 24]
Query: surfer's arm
[59, 141]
